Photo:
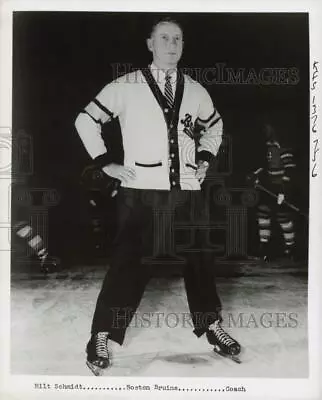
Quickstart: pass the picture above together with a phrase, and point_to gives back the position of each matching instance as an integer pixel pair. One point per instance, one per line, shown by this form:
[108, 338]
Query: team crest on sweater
[188, 126]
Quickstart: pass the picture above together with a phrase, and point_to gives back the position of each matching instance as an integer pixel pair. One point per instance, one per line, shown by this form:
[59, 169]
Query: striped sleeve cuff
[102, 160]
[205, 155]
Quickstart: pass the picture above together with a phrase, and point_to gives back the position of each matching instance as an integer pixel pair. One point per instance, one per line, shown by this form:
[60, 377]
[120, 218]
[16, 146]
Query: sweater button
[166, 110]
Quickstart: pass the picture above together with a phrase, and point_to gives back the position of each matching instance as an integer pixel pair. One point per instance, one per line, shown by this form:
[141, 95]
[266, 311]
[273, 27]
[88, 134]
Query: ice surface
[51, 322]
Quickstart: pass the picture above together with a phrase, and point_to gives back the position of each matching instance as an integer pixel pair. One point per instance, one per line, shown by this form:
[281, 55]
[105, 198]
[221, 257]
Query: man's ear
[149, 44]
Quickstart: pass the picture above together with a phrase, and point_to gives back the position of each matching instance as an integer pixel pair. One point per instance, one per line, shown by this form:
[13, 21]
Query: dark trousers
[142, 217]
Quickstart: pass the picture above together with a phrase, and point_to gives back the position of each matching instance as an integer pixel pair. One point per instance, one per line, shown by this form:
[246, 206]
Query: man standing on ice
[159, 110]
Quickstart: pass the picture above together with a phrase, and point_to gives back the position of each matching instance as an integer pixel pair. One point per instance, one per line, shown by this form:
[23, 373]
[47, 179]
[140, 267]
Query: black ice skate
[289, 254]
[224, 344]
[263, 253]
[47, 263]
[98, 355]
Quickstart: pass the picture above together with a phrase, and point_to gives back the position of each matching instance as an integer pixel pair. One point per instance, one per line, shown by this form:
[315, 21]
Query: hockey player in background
[37, 248]
[275, 175]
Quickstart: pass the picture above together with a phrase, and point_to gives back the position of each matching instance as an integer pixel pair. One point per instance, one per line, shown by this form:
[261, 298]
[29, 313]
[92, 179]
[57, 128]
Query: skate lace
[223, 336]
[101, 345]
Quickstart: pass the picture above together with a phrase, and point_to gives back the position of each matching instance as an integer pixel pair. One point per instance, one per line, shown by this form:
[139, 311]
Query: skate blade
[234, 358]
[97, 371]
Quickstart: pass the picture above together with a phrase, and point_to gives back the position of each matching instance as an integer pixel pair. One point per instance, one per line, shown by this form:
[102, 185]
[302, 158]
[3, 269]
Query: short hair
[165, 20]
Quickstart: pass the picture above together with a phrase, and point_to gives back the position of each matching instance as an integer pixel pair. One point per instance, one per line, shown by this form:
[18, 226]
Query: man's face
[166, 44]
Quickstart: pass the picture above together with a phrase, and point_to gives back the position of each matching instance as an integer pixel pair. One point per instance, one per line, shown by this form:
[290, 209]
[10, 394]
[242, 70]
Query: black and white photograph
[160, 201]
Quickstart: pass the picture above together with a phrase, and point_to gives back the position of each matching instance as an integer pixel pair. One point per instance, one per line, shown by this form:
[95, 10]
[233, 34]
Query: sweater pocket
[149, 165]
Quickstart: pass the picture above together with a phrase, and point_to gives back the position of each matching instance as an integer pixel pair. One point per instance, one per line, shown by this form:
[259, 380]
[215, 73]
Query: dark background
[62, 59]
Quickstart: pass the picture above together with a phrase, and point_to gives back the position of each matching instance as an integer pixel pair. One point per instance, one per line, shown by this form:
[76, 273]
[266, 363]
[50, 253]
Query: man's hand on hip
[117, 171]
[202, 171]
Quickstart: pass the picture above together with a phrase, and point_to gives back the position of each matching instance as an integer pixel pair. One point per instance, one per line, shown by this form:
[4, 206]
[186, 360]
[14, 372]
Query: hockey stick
[290, 205]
